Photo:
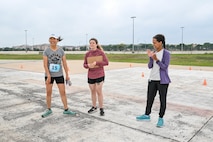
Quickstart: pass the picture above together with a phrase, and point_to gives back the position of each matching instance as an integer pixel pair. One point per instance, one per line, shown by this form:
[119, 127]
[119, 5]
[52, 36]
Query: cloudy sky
[107, 20]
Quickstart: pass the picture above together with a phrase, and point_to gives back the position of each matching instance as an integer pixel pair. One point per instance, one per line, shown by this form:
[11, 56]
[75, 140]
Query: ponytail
[99, 47]
[59, 39]
[164, 44]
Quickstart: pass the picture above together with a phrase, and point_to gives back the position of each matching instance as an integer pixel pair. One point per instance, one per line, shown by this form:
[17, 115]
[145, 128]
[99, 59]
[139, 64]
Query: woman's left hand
[154, 57]
[67, 78]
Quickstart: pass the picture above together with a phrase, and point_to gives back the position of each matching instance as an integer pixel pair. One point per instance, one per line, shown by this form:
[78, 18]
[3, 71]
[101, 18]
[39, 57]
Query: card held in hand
[93, 59]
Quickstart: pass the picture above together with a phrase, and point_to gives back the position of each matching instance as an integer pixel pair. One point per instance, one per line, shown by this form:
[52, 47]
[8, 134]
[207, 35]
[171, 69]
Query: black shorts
[58, 80]
[97, 80]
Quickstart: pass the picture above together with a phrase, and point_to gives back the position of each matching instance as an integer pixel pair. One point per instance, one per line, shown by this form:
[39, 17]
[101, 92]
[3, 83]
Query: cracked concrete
[188, 118]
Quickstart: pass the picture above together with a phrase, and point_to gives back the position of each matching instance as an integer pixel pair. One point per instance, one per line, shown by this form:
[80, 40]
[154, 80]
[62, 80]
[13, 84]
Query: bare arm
[64, 62]
[45, 64]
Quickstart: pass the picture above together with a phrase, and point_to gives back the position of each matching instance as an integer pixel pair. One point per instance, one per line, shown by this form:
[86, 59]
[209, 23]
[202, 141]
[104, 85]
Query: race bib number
[54, 67]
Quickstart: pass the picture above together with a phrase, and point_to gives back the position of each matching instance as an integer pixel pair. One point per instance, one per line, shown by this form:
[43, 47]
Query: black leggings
[153, 87]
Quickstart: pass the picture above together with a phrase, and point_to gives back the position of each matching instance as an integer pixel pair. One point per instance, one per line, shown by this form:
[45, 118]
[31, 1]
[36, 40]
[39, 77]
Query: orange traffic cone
[21, 66]
[130, 65]
[204, 82]
[190, 68]
[142, 74]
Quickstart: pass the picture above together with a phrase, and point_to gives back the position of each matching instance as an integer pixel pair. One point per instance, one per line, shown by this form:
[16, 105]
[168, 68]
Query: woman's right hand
[48, 79]
[92, 65]
[149, 52]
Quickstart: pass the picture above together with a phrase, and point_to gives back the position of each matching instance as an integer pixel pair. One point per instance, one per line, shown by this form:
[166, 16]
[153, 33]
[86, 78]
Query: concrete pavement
[189, 114]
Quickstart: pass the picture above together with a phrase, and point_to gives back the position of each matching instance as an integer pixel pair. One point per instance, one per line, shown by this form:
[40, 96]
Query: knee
[63, 93]
[93, 90]
[163, 105]
[99, 92]
[49, 91]
[49, 94]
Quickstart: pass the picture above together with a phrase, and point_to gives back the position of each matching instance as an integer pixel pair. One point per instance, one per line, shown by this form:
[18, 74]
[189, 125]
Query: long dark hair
[160, 38]
[98, 45]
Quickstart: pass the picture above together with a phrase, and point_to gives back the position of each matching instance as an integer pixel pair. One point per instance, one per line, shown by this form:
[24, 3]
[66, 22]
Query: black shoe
[101, 111]
[92, 110]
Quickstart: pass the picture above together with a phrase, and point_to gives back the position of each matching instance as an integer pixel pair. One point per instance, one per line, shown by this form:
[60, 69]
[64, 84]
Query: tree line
[125, 47]
[144, 47]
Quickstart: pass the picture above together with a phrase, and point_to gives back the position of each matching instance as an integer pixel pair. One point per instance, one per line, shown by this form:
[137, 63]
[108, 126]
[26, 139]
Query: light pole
[182, 38]
[33, 44]
[133, 17]
[26, 39]
[86, 41]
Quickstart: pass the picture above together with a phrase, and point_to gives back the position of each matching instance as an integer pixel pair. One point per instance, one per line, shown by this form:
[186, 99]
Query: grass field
[176, 59]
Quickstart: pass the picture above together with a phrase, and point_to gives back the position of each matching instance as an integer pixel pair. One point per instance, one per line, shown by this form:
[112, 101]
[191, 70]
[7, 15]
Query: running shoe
[69, 112]
[101, 111]
[143, 118]
[46, 113]
[92, 110]
[160, 122]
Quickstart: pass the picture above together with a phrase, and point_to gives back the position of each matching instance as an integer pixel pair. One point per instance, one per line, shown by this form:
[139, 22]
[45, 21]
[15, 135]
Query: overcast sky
[107, 20]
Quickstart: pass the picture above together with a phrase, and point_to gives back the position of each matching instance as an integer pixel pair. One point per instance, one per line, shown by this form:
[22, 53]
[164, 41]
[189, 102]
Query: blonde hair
[98, 45]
